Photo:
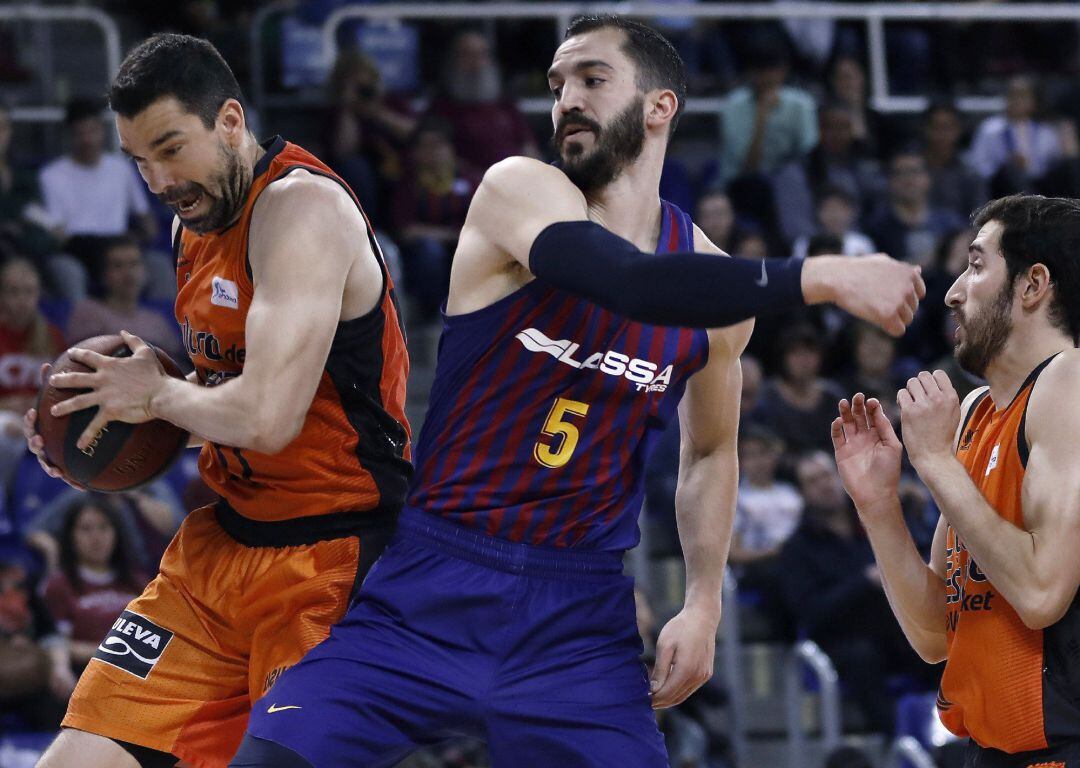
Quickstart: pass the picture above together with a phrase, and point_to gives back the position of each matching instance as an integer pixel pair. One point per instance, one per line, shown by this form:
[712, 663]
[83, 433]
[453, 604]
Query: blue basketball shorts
[534, 650]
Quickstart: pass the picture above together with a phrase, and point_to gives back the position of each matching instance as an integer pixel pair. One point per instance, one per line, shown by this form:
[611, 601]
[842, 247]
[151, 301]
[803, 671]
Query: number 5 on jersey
[562, 433]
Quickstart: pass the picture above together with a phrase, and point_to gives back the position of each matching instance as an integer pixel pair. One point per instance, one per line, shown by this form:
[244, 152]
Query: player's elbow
[1042, 608]
[274, 433]
[932, 651]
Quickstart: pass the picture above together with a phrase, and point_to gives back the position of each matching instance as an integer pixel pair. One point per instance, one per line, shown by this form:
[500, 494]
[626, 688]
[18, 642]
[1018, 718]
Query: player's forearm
[704, 510]
[1004, 552]
[916, 594]
[228, 414]
[688, 289]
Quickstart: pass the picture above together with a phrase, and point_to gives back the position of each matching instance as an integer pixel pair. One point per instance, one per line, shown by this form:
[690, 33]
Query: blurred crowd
[411, 115]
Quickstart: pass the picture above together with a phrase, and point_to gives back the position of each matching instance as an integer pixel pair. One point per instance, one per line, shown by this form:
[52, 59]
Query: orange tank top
[1003, 683]
[353, 451]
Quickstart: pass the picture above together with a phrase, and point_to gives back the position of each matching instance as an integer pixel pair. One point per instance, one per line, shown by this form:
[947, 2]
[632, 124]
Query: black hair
[181, 66]
[836, 190]
[119, 561]
[658, 63]
[80, 109]
[766, 51]
[823, 243]
[942, 105]
[1042, 230]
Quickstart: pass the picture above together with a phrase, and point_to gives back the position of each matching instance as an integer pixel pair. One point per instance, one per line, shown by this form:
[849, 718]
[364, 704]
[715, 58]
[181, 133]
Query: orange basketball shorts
[180, 667]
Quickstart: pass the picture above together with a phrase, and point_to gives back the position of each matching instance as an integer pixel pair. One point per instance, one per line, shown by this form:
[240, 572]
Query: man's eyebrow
[165, 137]
[587, 64]
[977, 248]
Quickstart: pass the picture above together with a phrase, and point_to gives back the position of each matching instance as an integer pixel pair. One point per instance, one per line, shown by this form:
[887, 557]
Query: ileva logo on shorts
[641, 372]
[134, 644]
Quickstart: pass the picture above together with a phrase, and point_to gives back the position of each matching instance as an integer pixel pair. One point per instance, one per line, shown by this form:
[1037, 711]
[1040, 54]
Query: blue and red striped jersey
[544, 410]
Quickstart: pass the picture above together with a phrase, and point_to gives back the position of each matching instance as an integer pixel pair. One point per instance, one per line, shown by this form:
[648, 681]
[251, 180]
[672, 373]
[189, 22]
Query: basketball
[123, 456]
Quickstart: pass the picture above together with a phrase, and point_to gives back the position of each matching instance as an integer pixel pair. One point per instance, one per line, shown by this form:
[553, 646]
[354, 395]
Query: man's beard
[232, 184]
[985, 334]
[615, 146]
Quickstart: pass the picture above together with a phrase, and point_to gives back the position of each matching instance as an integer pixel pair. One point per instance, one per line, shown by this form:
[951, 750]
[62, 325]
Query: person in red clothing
[27, 340]
[95, 581]
[487, 127]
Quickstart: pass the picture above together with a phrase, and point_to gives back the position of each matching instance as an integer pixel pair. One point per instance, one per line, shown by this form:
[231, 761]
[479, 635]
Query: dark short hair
[823, 243]
[125, 240]
[942, 105]
[181, 66]
[1042, 230]
[803, 335]
[658, 63]
[836, 190]
[80, 109]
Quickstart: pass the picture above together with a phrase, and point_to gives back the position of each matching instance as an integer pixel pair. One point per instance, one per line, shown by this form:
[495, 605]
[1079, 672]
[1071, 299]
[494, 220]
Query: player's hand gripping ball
[122, 456]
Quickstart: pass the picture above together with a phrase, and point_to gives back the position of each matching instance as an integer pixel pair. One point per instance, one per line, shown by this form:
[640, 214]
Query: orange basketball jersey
[353, 452]
[1007, 686]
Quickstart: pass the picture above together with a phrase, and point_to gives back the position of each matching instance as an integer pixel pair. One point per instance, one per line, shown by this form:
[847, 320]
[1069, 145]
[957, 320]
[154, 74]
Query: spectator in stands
[768, 510]
[799, 405]
[487, 127]
[35, 678]
[150, 516]
[95, 580]
[954, 185]
[91, 194]
[27, 340]
[905, 225]
[429, 208]
[847, 85]
[837, 214]
[1013, 150]
[370, 130]
[716, 218]
[123, 277]
[841, 160]
[874, 372]
[749, 244]
[766, 123]
[834, 592]
[22, 217]
[766, 514]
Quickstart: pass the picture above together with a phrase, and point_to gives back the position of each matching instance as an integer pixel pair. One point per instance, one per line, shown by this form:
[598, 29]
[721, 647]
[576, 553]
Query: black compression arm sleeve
[694, 290]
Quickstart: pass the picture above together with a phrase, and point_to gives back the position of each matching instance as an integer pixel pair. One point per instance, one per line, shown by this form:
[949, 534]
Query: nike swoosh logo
[764, 279]
[275, 708]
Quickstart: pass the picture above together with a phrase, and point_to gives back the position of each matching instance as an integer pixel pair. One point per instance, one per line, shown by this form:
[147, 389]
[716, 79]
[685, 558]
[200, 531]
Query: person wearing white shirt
[1015, 141]
[90, 191]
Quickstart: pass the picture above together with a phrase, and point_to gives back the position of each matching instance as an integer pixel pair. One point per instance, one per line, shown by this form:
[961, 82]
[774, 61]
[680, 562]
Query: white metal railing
[809, 655]
[874, 15]
[66, 14]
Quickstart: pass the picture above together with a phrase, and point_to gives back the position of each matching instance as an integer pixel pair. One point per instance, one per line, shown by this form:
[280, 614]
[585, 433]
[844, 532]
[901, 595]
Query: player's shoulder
[1060, 379]
[305, 200]
[525, 175]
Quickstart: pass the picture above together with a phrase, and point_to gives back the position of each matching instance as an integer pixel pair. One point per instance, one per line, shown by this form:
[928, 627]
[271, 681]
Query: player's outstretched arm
[305, 235]
[534, 215]
[1033, 567]
[868, 458]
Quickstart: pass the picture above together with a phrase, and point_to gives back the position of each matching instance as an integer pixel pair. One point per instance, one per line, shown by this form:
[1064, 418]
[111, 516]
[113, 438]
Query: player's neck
[630, 205]
[1023, 352]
